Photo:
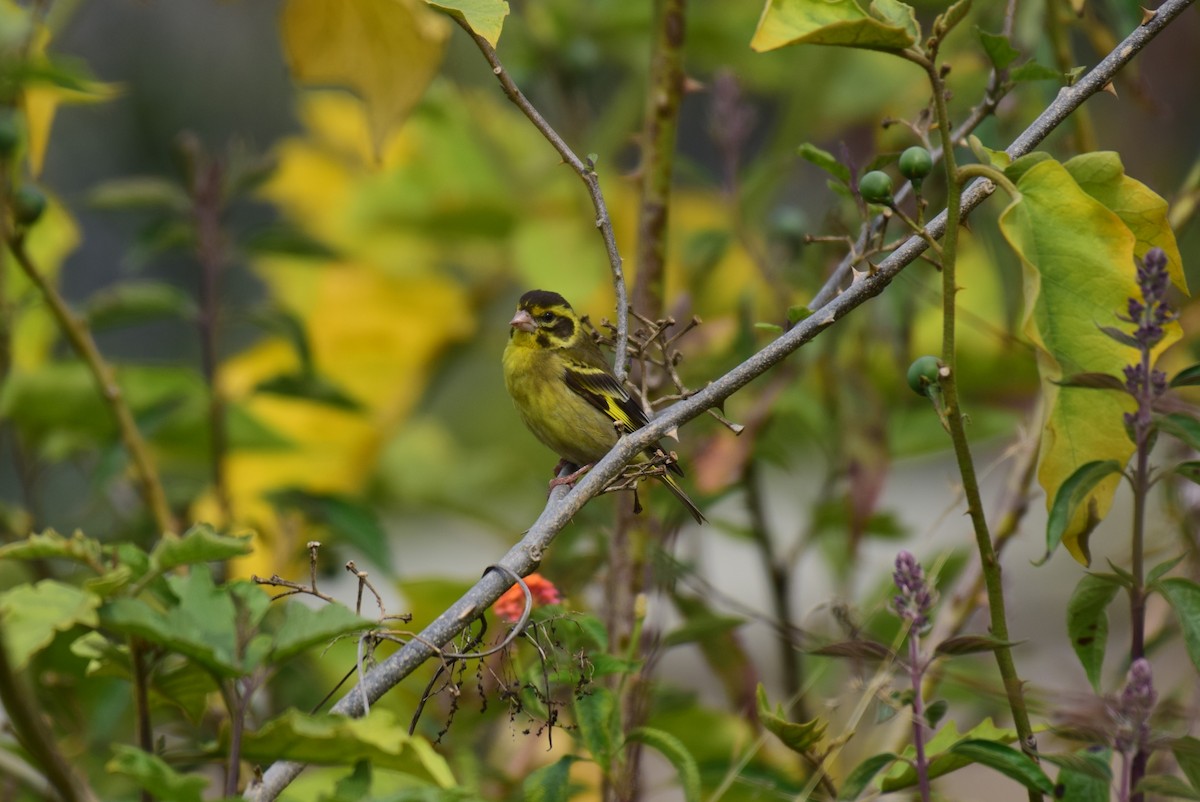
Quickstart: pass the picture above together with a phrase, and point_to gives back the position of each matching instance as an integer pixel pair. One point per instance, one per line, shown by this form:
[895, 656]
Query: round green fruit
[28, 203]
[923, 373]
[915, 163]
[876, 187]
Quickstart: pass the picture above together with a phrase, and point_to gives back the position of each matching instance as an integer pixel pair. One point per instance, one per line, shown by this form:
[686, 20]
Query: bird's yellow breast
[556, 414]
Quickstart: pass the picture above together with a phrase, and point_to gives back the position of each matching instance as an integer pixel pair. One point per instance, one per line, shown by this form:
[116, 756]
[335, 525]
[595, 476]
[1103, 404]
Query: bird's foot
[570, 478]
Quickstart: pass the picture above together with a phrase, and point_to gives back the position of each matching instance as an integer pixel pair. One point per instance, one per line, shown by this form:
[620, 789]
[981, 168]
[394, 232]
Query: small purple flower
[1131, 711]
[1150, 313]
[916, 598]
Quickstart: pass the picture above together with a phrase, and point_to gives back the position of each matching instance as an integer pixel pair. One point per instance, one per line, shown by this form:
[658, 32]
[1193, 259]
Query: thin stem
[236, 708]
[990, 173]
[141, 701]
[958, 435]
[918, 719]
[35, 735]
[586, 172]
[210, 253]
[1137, 592]
[84, 345]
[664, 96]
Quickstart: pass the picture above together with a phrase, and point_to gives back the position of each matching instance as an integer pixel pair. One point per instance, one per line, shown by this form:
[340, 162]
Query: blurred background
[364, 283]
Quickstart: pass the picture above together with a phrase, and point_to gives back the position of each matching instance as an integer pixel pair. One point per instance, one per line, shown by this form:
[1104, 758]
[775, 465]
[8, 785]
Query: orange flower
[510, 606]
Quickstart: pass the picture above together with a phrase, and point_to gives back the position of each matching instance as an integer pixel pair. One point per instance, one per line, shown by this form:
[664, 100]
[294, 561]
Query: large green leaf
[304, 628]
[32, 615]
[1007, 761]
[834, 22]
[674, 751]
[1078, 258]
[596, 715]
[200, 544]
[941, 755]
[799, 737]
[336, 740]
[52, 545]
[549, 783]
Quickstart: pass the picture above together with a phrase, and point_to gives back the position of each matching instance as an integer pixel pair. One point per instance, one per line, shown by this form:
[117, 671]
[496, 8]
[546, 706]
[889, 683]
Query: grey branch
[525, 556]
[586, 171]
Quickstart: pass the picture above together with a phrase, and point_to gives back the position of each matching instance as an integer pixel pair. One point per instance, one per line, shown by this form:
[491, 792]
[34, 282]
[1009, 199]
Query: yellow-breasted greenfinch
[565, 390]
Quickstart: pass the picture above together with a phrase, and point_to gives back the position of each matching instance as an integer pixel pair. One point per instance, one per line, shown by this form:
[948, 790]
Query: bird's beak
[523, 320]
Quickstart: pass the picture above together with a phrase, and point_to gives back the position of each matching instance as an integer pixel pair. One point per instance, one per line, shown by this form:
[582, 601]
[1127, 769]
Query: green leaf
[898, 14]
[285, 240]
[34, 614]
[1184, 596]
[998, 48]
[309, 387]
[1072, 495]
[1188, 377]
[773, 328]
[549, 783]
[51, 545]
[330, 740]
[304, 628]
[1032, 71]
[1187, 754]
[152, 773]
[1168, 786]
[1006, 760]
[1083, 777]
[140, 192]
[351, 521]
[676, 753]
[200, 544]
[942, 760]
[485, 17]
[1184, 428]
[857, 781]
[354, 787]
[949, 19]
[138, 302]
[826, 161]
[202, 626]
[596, 715]
[1092, 381]
[859, 649]
[969, 644]
[827, 22]
[799, 737]
[935, 712]
[1162, 569]
[1087, 622]
[245, 431]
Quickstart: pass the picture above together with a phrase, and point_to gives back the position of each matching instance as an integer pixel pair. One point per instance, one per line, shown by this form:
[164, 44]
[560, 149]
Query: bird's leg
[570, 478]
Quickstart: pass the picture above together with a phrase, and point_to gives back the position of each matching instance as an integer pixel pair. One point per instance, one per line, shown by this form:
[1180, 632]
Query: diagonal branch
[525, 556]
[586, 171]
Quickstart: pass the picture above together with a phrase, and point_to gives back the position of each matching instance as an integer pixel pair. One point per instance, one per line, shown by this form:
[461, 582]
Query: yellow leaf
[384, 51]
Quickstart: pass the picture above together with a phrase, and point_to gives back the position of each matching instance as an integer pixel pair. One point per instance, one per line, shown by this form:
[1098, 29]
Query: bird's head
[545, 320]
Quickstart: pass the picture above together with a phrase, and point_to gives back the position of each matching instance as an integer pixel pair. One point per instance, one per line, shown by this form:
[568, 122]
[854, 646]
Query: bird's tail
[672, 485]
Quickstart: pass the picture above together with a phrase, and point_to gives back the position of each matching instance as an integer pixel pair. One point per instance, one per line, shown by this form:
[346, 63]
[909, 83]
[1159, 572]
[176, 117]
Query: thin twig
[585, 170]
[563, 504]
[84, 345]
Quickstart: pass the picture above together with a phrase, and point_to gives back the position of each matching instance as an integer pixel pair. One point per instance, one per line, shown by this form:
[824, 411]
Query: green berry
[915, 163]
[10, 132]
[28, 203]
[876, 187]
[924, 373]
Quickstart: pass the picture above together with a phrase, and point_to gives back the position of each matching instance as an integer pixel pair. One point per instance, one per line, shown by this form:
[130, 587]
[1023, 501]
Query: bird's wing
[600, 389]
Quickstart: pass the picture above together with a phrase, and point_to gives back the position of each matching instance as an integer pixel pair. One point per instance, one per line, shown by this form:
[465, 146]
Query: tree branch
[562, 505]
[586, 171]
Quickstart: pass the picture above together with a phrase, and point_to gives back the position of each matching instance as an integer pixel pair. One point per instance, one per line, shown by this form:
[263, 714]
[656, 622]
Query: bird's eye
[546, 317]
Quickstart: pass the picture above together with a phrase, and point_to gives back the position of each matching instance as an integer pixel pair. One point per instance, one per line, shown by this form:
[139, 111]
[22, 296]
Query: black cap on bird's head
[541, 299]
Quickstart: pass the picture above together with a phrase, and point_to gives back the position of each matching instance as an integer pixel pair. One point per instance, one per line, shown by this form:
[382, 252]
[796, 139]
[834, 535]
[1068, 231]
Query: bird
[566, 392]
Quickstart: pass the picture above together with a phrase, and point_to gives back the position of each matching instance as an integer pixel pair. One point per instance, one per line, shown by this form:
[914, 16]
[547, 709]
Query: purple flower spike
[916, 598]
